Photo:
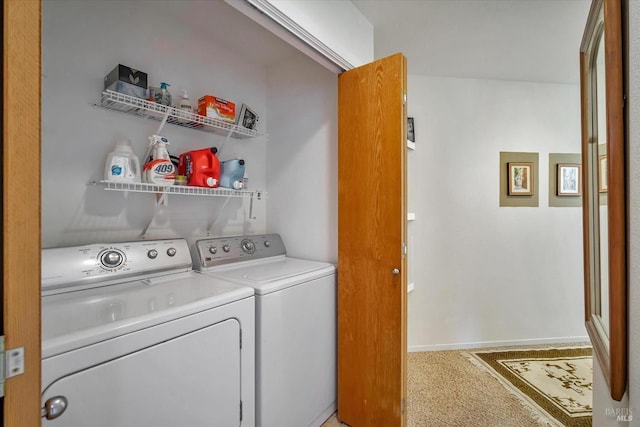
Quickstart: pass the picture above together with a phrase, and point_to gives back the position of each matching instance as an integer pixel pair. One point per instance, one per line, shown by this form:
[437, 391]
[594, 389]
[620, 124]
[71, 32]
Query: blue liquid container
[231, 174]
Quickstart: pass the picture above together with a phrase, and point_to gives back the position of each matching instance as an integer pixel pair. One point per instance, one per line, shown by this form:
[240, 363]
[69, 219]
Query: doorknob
[54, 407]
[395, 271]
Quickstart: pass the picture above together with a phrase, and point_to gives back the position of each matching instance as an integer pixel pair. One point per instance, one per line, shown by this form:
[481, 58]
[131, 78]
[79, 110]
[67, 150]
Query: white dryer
[131, 336]
[295, 325]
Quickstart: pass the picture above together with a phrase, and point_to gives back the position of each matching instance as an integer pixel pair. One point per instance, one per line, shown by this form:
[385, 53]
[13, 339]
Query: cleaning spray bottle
[159, 170]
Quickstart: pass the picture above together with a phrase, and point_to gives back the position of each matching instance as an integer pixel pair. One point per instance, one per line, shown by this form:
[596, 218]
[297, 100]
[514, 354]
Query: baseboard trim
[483, 344]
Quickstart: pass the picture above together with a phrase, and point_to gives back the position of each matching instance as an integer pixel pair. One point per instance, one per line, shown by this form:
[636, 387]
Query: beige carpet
[445, 390]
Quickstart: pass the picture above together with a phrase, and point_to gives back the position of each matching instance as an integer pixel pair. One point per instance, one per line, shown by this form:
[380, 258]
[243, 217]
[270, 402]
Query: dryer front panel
[173, 383]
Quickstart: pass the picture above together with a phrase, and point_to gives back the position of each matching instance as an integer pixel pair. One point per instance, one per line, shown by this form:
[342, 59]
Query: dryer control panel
[93, 264]
[225, 250]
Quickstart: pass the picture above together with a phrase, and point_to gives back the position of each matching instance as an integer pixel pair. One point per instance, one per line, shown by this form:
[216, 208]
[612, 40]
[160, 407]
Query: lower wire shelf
[163, 191]
[141, 187]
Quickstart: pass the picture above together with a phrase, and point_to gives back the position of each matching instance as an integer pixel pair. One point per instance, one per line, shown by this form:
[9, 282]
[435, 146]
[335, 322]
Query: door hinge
[404, 250]
[403, 405]
[241, 411]
[11, 363]
[404, 98]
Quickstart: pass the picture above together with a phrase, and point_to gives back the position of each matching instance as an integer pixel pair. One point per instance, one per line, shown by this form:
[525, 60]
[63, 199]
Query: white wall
[171, 41]
[484, 274]
[603, 406]
[302, 158]
[337, 24]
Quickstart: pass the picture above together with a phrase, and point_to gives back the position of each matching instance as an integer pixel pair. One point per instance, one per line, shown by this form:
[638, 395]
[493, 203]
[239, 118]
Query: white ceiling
[527, 40]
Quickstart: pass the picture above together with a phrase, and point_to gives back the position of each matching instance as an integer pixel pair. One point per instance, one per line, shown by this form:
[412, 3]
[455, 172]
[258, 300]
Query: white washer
[131, 336]
[295, 325]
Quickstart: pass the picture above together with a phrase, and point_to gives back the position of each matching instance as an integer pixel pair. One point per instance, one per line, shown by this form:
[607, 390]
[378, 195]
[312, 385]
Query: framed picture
[569, 179]
[411, 134]
[520, 179]
[602, 174]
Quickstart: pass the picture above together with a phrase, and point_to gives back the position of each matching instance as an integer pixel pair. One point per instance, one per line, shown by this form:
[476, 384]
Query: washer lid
[274, 274]
[77, 319]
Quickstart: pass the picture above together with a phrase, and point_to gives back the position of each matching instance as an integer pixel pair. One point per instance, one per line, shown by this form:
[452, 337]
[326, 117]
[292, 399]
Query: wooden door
[372, 297]
[21, 205]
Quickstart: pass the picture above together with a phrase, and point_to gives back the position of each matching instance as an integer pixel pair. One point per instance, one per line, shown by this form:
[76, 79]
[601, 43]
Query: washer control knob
[226, 248]
[111, 259]
[171, 251]
[267, 243]
[213, 250]
[152, 254]
[248, 246]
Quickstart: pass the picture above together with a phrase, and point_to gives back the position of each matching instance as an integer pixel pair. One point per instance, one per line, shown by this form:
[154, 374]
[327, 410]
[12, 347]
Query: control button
[248, 246]
[171, 251]
[226, 248]
[152, 254]
[111, 259]
[213, 250]
[267, 243]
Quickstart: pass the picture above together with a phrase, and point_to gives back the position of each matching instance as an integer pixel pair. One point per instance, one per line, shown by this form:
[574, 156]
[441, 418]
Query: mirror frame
[611, 351]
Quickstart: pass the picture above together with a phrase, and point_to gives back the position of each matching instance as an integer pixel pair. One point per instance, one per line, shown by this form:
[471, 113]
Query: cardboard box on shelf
[127, 80]
[217, 108]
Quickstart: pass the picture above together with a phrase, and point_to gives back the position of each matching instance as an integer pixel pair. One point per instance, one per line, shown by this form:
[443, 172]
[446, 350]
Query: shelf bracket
[161, 200]
[251, 207]
[225, 141]
[164, 121]
[215, 218]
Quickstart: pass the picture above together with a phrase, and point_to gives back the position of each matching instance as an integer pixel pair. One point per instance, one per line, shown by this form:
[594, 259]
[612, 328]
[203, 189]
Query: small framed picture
[602, 174]
[247, 118]
[520, 178]
[411, 133]
[569, 179]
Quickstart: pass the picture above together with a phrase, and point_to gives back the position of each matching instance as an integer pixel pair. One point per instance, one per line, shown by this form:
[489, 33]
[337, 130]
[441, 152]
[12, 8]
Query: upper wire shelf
[140, 187]
[152, 110]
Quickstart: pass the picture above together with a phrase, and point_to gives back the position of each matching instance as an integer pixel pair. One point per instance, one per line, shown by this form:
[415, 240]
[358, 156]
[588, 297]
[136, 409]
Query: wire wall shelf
[140, 187]
[141, 107]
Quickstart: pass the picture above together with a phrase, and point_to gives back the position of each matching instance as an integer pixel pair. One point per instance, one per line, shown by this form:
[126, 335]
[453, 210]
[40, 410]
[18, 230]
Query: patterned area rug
[555, 384]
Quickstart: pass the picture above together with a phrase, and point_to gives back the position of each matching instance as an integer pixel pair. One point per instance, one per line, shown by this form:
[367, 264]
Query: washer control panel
[77, 265]
[225, 250]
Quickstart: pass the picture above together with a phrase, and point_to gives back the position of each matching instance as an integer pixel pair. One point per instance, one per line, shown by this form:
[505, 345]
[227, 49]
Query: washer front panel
[192, 380]
[85, 358]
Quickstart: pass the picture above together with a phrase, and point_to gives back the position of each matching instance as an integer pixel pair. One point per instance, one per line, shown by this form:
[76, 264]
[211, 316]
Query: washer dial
[111, 258]
[248, 246]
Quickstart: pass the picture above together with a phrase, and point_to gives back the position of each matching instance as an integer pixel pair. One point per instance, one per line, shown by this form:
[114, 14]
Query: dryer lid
[76, 319]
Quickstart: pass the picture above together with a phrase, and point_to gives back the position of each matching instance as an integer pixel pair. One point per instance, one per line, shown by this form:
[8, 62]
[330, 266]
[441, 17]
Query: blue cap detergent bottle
[232, 173]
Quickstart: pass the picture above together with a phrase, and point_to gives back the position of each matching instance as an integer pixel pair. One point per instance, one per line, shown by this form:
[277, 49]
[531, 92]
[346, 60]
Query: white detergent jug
[122, 164]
